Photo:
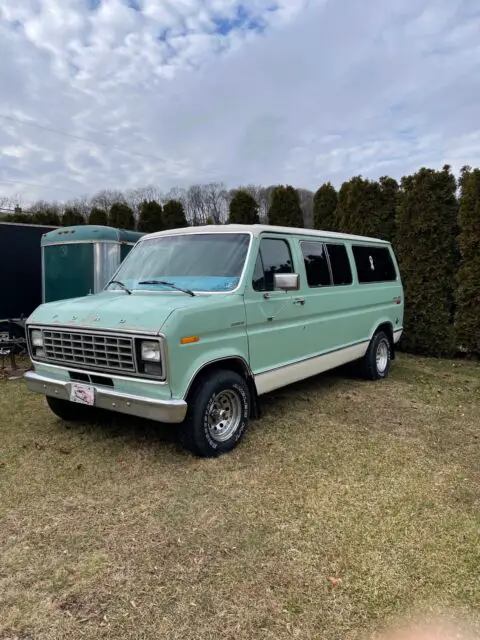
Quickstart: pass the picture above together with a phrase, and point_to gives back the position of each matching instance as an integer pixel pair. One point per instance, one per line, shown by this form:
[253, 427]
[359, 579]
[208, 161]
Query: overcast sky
[172, 92]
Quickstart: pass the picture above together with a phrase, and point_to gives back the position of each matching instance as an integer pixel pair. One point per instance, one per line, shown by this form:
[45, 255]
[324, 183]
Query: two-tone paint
[275, 339]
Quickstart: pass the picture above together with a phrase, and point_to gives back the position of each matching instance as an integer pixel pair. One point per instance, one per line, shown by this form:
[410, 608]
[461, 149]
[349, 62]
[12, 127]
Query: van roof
[258, 229]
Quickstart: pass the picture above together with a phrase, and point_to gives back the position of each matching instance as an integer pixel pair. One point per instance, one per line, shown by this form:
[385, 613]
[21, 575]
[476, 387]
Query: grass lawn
[348, 504]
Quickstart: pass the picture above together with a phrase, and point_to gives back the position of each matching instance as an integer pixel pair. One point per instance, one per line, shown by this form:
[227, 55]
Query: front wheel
[218, 414]
[376, 362]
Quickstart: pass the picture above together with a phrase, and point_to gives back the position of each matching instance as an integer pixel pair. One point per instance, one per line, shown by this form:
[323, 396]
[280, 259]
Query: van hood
[115, 310]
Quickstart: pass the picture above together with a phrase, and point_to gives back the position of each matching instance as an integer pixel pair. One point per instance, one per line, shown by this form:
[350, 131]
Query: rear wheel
[218, 413]
[71, 411]
[376, 362]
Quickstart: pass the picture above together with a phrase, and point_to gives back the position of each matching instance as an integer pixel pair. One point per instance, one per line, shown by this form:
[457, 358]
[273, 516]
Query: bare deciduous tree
[177, 193]
[105, 198]
[80, 204]
[306, 203]
[215, 196]
[261, 194]
[135, 197]
[10, 203]
[42, 206]
[196, 209]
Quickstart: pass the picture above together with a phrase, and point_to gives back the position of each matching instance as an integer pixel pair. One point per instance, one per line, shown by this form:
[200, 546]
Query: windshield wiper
[168, 284]
[120, 284]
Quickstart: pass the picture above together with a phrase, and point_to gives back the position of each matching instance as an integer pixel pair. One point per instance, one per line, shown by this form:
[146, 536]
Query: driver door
[273, 317]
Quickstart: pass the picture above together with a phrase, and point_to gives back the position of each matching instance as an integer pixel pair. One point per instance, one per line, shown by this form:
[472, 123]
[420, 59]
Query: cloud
[173, 92]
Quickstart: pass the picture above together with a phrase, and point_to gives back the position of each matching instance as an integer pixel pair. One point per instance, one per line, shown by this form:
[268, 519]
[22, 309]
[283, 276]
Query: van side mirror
[286, 281]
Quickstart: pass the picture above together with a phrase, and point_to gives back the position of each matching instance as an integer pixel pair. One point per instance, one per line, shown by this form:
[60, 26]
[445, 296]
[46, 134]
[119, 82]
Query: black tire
[206, 397]
[71, 411]
[373, 369]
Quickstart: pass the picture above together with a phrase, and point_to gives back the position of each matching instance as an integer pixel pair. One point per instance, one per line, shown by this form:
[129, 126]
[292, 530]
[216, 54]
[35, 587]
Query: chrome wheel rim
[382, 357]
[224, 415]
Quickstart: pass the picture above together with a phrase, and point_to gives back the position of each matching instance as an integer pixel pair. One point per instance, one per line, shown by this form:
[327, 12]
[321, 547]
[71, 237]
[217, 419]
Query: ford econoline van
[197, 323]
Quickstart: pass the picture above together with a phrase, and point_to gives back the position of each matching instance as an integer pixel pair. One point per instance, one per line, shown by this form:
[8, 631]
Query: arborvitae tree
[426, 248]
[243, 208]
[358, 199]
[150, 217]
[370, 220]
[342, 203]
[468, 277]
[121, 216]
[98, 216]
[367, 207]
[174, 215]
[324, 207]
[385, 225]
[285, 208]
[72, 217]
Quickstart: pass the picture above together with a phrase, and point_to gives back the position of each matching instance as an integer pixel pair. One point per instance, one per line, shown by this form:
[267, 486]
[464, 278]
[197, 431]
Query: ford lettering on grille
[85, 350]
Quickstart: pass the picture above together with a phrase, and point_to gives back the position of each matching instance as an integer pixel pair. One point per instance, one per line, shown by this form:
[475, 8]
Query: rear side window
[340, 264]
[374, 264]
[273, 257]
[316, 264]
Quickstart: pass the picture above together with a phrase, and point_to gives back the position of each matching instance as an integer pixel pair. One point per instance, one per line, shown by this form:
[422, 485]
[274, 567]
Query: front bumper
[168, 411]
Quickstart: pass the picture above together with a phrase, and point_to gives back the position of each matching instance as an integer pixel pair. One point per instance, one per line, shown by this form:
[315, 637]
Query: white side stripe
[283, 376]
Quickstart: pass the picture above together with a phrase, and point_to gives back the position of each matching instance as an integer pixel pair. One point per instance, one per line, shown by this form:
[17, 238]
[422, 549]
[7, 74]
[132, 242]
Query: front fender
[183, 376]
[214, 358]
[220, 328]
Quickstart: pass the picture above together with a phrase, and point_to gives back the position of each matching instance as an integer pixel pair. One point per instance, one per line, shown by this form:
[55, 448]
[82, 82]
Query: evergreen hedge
[468, 278]
[121, 216]
[285, 209]
[426, 248]
[325, 203]
[243, 209]
[174, 215]
[150, 217]
[98, 216]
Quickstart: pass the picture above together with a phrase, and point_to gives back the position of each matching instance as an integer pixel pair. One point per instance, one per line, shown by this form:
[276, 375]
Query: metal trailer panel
[81, 259]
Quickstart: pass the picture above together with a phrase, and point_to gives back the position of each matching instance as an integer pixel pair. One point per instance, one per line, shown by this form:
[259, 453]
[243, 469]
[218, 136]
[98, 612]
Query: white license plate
[82, 393]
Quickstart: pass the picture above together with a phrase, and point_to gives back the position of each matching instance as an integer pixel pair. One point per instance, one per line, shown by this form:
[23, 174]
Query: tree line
[431, 218]
[433, 223]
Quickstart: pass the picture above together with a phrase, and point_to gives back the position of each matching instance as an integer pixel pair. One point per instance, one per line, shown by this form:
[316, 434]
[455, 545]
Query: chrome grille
[86, 350]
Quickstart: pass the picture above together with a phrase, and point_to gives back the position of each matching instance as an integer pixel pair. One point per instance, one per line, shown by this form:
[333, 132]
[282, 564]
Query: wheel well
[387, 328]
[240, 367]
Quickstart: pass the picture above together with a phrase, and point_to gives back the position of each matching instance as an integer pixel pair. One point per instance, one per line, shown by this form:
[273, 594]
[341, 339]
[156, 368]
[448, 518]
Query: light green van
[197, 323]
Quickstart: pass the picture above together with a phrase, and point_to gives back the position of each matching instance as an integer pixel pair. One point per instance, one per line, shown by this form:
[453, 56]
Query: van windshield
[196, 261]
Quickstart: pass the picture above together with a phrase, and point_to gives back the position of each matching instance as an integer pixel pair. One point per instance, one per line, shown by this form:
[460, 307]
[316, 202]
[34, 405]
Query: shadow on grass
[111, 426]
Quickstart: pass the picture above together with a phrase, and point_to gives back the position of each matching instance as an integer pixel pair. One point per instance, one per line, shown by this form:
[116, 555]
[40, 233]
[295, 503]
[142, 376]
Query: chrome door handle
[300, 301]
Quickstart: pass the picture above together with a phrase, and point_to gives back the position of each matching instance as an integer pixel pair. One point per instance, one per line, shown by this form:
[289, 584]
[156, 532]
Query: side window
[374, 264]
[316, 264]
[274, 257]
[340, 264]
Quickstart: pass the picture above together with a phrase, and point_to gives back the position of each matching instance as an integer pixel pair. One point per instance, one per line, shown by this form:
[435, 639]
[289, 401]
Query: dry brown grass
[347, 505]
